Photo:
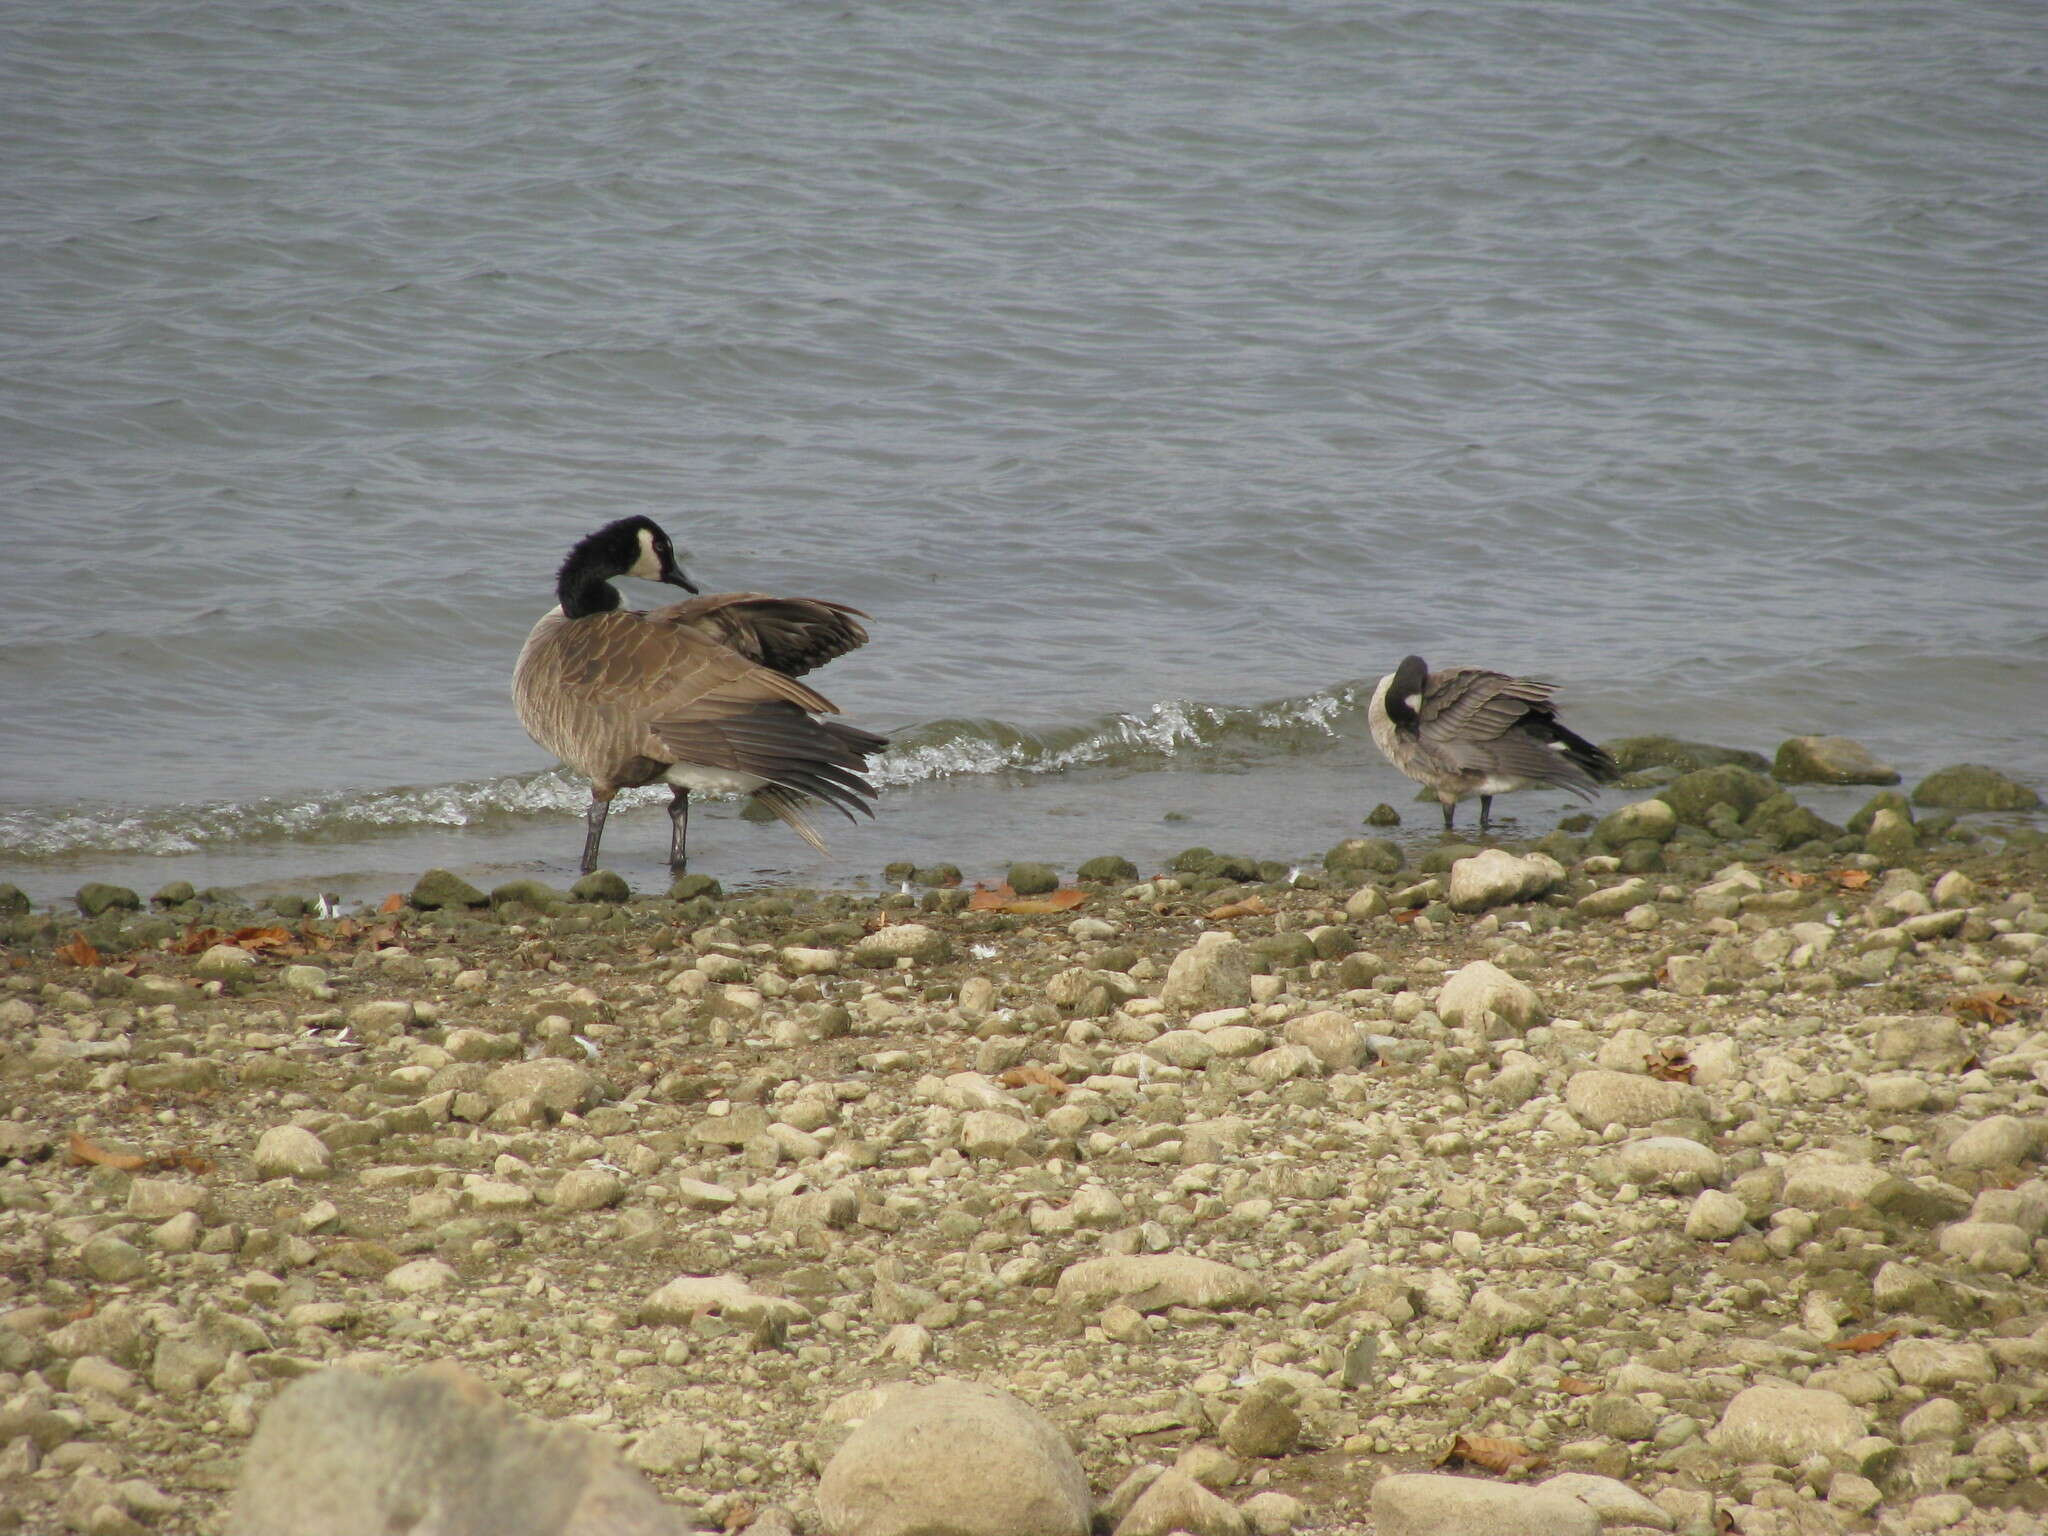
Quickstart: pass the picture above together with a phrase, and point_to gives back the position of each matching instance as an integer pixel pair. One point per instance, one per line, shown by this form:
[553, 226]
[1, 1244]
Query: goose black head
[632, 546]
[1404, 692]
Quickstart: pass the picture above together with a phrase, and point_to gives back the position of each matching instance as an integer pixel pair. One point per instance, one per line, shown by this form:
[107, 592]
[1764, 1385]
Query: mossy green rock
[1438, 860]
[1829, 760]
[898, 870]
[439, 888]
[1028, 879]
[98, 897]
[1883, 800]
[1631, 753]
[1284, 949]
[1692, 795]
[292, 905]
[1192, 861]
[174, 894]
[601, 885]
[695, 887]
[1783, 822]
[1383, 815]
[1973, 787]
[936, 874]
[1108, 867]
[13, 899]
[1891, 837]
[1652, 819]
[532, 893]
[1364, 856]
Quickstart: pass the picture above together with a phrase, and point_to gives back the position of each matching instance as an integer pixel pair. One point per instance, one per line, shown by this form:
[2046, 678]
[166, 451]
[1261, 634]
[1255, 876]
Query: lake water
[1156, 376]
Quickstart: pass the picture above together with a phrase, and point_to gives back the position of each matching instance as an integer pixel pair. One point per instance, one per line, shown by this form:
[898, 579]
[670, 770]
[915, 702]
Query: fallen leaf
[80, 1314]
[740, 1516]
[1990, 1004]
[1030, 1074]
[1251, 906]
[1851, 879]
[84, 1152]
[393, 903]
[196, 940]
[78, 952]
[1864, 1343]
[1576, 1386]
[1797, 879]
[259, 940]
[1002, 899]
[1406, 914]
[1504, 1458]
[1670, 1066]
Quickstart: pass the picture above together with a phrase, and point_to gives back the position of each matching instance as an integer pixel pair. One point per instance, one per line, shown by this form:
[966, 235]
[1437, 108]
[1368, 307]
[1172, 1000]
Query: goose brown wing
[790, 634]
[597, 691]
[1473, 704]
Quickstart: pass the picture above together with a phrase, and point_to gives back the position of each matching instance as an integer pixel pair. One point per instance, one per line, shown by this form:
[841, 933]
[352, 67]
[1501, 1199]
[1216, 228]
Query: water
[1155, 376]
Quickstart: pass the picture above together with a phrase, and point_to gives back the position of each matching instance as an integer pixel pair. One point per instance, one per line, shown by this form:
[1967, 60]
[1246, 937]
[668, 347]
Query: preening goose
[1466, 731]
[697, 695]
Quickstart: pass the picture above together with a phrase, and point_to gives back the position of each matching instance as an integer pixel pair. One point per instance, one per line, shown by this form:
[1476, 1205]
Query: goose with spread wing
[1466, 731]
[699, 695]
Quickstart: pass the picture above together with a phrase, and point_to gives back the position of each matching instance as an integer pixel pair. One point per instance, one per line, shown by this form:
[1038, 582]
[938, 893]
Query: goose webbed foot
[1485, 813]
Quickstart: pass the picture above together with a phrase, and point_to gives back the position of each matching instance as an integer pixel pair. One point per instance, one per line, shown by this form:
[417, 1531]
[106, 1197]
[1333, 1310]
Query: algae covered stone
[1693, 795]
[1973, 787]
[601, 885]
[1108, 867]
[1829, 760]
[440, 888]
[1364, 856]
[1033, 879]
[96, 897]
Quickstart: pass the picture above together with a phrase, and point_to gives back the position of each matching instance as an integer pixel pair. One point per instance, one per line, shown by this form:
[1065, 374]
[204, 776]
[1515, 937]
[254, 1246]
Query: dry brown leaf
[1503, 1458]
[1864, 1343]
[740, 1516]
[196, 940]
[78, 951]
[1002, 899]
[1797, 879]
[1577, 1386]
[1251, 906]
[259, 940]
[81, 1313]
[84, 1152]
[1030, 1074]
[1670, 1066]
[1851, 879]
[1991, 1004]
[393, 903]
[1406, 914]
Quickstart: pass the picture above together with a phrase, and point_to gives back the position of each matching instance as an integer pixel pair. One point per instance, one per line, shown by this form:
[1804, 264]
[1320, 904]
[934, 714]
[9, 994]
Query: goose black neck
[585, 589]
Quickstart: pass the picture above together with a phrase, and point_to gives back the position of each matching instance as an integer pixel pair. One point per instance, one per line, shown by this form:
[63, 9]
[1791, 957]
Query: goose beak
[674, 577]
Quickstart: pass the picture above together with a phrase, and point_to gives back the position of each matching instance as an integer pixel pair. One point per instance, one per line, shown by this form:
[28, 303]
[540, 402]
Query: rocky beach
[1680, 1171]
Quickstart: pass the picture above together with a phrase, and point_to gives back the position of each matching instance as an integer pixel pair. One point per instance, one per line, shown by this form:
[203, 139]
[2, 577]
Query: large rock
[914, 942]
[1634, 753]
[1783, 822]
[1829, 760]
[439, 888]
[1364, 856]
[1215, 972]
[1785, 1425]
[1691, 796]
[954, 1459]
[1436, 1504]
[1601, 1098]
[291, 1152]
[1973, 787]
[1483, 988]
[560, 1085]
[1174, 1501]
[1497, 878]
[1652, 819]
[688, 1297]
[1154, 1282]
[341, 1453]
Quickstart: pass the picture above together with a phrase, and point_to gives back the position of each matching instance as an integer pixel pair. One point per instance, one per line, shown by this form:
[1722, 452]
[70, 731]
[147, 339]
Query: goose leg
[679, 827]
[1450, 808]
[1485, 811]
[600, 807]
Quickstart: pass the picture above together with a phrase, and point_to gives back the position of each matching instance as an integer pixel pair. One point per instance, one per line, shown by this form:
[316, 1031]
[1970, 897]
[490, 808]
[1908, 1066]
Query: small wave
[1169, 733]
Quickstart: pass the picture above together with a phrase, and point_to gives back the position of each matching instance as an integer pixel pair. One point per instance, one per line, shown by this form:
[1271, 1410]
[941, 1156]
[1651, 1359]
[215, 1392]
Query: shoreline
[1702, 1133]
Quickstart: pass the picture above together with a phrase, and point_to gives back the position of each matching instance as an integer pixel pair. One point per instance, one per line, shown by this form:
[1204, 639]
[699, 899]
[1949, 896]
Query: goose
[1466, 731]
[699, 695]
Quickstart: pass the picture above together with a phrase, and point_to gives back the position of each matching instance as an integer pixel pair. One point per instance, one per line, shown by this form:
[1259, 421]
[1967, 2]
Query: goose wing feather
[790, 634]
[1471, 704]
[609, 688]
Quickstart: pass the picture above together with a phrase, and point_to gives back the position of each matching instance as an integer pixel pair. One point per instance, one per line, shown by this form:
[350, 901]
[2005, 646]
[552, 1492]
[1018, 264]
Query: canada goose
[1466, 731]
[697, 695]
